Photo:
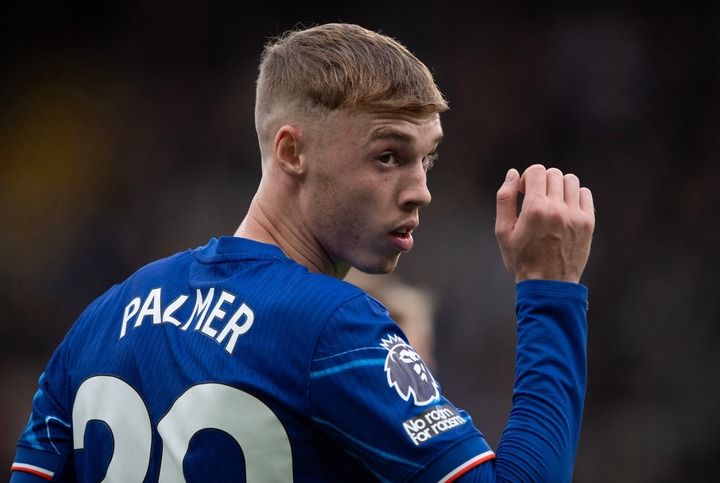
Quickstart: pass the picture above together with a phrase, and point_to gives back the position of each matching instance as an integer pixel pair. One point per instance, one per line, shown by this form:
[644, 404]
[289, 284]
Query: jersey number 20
[204, 406]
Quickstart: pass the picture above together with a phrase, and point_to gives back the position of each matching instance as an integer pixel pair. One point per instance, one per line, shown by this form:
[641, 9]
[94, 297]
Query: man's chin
[379, 267]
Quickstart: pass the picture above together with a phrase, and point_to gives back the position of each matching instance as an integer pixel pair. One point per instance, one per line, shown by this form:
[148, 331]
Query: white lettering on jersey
[238, 323]
[170, 310]
[237, 330]
[200, 304]
[217, 313]
[432, 422]
[151, 307]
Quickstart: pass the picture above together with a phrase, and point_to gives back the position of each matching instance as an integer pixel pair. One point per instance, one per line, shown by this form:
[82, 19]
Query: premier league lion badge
[407, 373]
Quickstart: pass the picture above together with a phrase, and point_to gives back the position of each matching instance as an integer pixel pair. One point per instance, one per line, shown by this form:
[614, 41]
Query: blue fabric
[234, 346]
[541, 437]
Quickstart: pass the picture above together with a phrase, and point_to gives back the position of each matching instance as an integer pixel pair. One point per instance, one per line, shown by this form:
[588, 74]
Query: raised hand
[550, 238]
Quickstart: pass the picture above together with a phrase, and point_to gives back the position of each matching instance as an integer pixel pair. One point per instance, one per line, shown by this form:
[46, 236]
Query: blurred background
[126, 134]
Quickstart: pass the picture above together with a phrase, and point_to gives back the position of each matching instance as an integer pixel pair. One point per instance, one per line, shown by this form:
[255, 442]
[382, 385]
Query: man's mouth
[402, 233]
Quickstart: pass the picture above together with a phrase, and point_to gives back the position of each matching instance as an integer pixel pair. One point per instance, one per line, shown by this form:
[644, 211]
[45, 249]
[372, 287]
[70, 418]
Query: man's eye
[387, 158]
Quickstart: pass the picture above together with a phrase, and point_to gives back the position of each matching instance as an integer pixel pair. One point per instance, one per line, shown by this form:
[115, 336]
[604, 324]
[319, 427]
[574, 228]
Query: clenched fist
[550, 238]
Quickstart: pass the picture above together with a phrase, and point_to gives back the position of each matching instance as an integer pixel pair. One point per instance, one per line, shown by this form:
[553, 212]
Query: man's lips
[402, 239]
[405, 229]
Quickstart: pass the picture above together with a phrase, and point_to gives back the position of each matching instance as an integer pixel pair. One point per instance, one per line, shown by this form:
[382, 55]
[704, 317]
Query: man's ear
[287, 150]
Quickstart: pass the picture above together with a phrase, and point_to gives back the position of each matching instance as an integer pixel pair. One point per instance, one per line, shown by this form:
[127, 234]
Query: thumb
[507, 204]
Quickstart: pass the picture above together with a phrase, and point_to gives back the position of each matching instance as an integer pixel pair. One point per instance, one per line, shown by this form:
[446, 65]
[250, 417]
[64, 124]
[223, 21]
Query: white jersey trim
[35, 470]
[481, 458]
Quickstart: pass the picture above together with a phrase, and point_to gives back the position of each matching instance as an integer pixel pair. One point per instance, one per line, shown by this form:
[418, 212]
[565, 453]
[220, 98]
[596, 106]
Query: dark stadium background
[126, 134]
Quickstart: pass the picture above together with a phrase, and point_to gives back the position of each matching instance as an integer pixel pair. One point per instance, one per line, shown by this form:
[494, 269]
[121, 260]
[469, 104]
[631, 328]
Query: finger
[571, 190]
[507, 203]
[555, 184]
[586, 201]
[534, 180]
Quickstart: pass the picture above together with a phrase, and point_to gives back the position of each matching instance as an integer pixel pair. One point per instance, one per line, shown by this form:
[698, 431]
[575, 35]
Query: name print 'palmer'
[206, 321]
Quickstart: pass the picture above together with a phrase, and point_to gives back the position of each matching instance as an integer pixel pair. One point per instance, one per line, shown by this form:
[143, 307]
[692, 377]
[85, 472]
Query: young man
[249, 358]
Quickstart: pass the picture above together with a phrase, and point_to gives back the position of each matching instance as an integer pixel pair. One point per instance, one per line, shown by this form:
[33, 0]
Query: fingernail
[510, 176]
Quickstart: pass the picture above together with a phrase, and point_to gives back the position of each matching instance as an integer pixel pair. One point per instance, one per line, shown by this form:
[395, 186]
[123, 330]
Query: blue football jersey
[231, 362]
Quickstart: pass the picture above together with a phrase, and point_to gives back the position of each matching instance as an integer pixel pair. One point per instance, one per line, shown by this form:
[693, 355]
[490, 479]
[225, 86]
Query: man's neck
[261, 227]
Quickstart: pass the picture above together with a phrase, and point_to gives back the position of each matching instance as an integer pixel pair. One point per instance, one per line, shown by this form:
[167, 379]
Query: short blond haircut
[337, 66]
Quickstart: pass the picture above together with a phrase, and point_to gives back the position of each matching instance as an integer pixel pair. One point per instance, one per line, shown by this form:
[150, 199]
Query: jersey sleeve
[44, 450]
[373, 394]
[540, 440]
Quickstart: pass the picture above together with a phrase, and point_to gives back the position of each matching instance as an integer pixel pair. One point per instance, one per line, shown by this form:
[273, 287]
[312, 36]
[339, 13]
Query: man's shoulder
[322, 292]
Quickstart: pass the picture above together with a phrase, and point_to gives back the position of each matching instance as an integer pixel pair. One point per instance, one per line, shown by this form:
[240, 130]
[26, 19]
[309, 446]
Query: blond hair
[338, 66]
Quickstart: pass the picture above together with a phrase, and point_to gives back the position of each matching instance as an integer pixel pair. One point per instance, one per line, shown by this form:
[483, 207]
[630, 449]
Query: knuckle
[589, 223]
[503, 194]
[502, 235]
[545, 209]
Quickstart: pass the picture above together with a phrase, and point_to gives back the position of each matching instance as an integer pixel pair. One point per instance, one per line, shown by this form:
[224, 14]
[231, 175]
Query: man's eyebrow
[392, 133]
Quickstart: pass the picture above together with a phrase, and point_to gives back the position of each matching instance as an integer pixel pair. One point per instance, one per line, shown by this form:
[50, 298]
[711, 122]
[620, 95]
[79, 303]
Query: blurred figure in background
[410, 306]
